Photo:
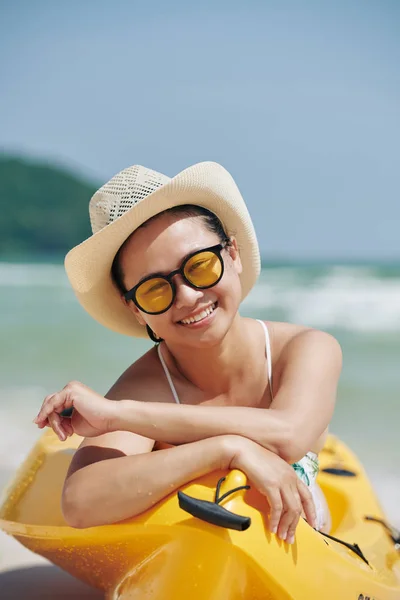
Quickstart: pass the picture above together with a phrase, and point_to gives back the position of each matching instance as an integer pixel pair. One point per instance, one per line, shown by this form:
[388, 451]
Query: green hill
[44, 209]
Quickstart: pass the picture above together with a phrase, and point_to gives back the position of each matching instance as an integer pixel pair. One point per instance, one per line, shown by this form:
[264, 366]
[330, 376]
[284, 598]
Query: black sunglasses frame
[217, 249]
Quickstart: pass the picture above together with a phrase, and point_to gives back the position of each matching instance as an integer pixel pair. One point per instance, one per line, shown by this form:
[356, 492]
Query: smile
[200, 316]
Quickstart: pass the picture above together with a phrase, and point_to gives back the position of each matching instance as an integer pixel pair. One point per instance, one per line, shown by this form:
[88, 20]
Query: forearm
[182, 424]
[308, 372]
[116, 489]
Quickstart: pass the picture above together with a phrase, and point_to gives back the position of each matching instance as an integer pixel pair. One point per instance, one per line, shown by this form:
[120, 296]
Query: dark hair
[210, 220]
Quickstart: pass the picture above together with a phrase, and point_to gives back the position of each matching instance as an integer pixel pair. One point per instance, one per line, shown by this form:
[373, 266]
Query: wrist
[232, 448]
[120, 413]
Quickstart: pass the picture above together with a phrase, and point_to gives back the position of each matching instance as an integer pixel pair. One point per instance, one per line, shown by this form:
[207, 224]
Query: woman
[175, 257]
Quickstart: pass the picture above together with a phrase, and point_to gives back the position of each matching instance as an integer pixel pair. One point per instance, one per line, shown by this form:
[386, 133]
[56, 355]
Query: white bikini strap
[167, 374]
[268, 351]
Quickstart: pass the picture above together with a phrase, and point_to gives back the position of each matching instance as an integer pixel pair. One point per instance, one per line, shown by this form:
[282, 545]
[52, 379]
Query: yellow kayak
[206, 547]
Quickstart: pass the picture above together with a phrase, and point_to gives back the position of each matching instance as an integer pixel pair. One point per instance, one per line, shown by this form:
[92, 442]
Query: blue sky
[299, 100]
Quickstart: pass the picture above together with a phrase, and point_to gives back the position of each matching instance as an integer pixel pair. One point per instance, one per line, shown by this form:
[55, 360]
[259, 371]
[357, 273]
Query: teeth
[199, 316]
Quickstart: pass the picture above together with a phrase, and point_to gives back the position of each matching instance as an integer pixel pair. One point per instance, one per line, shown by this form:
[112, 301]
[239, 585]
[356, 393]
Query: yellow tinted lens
[154, 295]
[203, 269]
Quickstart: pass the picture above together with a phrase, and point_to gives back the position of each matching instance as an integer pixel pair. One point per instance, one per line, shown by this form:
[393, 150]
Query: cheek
[230, 286]
[233, 269]
[160, 324]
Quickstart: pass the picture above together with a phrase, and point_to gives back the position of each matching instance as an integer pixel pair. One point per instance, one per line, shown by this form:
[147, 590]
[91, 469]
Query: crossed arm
[308, 374]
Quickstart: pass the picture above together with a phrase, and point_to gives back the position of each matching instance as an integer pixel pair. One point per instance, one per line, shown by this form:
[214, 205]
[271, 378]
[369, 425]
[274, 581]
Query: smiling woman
[175, 258]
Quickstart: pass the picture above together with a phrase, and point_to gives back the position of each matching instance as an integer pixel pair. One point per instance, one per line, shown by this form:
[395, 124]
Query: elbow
[72, 520]
[71, 508]
[292, 452]
[282, 441]
[287, 442]
[291, 447]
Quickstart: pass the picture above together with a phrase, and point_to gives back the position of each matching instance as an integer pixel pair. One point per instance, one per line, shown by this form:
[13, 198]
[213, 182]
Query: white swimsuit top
[267, 352]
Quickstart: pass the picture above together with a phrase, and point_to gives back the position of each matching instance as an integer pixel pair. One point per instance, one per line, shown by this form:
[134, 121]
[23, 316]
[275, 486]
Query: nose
[186, 295]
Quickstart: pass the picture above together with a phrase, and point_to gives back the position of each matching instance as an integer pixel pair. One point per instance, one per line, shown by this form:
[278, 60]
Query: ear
[134, 309]
[233, 250]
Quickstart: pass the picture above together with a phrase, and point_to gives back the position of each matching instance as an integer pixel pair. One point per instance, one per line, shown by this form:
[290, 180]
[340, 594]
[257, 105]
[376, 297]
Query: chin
[210, 336]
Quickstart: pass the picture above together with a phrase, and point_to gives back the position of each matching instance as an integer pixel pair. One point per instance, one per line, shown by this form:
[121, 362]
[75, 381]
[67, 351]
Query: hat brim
[206, 184]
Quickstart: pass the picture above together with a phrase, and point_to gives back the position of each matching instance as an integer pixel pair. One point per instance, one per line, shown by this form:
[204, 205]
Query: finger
[275, 506]
[291, 511]
[293, 525]
[47, 398]
[66, 426]
[69, 430]
[55, 422]
[308, 503]
[57, 403]
[40, 416]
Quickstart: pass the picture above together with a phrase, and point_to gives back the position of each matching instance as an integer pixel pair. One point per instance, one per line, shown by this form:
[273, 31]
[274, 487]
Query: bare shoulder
[281, 334]
[288, 339]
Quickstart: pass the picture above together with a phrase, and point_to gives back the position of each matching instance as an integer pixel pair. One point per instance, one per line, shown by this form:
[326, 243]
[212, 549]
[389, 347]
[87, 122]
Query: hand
[92, 414]
[274, 478]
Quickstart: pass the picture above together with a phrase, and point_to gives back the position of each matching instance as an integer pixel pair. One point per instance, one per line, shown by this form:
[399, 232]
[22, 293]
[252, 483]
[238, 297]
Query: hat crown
[124, 190]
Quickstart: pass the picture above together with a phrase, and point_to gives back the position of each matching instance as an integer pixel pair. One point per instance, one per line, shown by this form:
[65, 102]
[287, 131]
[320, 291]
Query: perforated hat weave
[122, 192]
[129, 199]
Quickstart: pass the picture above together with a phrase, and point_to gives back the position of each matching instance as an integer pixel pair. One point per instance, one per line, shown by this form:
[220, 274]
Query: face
[160, 247]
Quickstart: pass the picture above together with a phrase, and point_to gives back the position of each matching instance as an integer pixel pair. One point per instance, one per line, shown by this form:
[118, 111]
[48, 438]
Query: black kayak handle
[212, 512]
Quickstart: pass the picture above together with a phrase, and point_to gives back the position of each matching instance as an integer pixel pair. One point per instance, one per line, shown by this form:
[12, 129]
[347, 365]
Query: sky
[298, 99]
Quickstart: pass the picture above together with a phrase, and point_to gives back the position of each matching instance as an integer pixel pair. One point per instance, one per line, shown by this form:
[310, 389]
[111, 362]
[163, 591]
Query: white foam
[343, 297]
[346, 297]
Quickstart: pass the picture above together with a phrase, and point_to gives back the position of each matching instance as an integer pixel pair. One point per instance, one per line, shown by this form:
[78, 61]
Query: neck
[218, 369]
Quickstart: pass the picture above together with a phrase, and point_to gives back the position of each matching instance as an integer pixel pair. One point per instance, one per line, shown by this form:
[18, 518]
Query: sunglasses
[201, 270]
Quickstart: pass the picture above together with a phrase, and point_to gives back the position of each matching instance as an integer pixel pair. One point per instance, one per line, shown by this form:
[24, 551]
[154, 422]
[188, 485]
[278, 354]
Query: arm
[308, 372]
[130, 485]
[308, 387]
[105, 486]
[181, 424]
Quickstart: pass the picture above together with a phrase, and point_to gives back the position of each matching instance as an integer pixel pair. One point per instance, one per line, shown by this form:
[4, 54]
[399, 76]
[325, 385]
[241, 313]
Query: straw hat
[129, 199]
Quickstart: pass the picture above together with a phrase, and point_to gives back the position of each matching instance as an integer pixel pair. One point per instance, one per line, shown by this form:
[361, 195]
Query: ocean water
[47, 339]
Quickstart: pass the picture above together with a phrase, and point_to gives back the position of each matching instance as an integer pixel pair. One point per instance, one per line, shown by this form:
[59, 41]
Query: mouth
[199, 317]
